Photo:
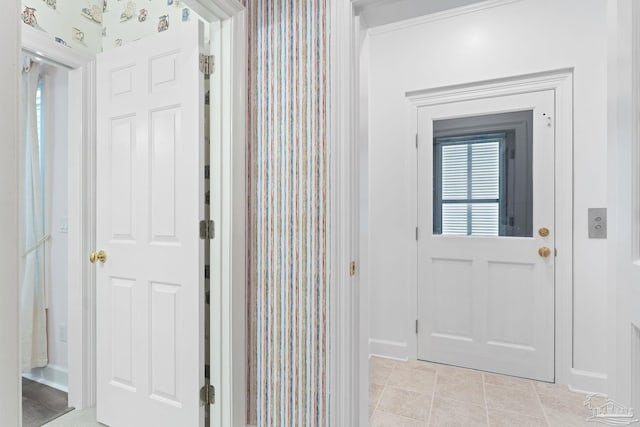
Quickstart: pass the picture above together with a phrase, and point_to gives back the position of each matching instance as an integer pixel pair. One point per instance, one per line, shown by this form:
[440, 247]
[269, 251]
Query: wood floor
[41, 403]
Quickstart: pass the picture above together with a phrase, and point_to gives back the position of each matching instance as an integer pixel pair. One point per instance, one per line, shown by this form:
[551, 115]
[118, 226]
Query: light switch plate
[597, 223]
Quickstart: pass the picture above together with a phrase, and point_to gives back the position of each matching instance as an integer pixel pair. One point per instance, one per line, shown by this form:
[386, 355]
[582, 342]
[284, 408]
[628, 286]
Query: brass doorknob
[543, 232]
[544, 252]
[98, 256]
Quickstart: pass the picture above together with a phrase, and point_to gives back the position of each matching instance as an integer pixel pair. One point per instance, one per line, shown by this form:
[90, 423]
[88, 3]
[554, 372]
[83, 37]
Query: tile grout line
[384, 388]
[433, 397]
[516, 412]
[544, 413]
[484, 397]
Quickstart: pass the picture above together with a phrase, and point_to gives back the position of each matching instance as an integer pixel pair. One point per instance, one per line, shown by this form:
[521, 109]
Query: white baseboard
[388, 349]
[51, 375]
[588, 382]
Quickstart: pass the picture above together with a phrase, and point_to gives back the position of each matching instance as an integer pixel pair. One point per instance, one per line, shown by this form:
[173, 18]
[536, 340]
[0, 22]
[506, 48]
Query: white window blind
[469, 185]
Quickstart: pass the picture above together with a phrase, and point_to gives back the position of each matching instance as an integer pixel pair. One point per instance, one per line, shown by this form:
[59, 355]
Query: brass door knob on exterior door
[98, 256]
[544, 252]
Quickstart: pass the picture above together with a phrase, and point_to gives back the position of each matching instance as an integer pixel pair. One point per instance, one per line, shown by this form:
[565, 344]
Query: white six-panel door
[488, 302]
[149, 163]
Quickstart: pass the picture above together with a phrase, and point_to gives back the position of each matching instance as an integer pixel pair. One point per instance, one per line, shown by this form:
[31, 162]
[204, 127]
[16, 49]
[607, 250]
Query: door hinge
[416, 140]
[416, 233]
[207, 394]
[352, 268]
[416, 326]
[207, 64]
[207, 229]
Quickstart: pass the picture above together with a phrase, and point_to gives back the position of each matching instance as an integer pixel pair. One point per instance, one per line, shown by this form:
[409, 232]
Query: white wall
[515, 38]
[9, 360]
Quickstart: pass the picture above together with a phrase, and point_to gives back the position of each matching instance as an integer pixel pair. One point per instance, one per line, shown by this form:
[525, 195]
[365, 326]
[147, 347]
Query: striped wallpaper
[287, 191]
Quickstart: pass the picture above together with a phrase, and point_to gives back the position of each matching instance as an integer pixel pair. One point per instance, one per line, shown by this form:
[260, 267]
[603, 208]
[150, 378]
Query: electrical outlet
[63, 226]
[597, 223]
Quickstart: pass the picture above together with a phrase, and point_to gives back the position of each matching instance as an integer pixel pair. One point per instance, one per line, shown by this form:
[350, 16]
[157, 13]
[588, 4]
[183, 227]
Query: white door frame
[345, 370]
[228, 209]
[561, 82]
[229, 373]
[81, 129]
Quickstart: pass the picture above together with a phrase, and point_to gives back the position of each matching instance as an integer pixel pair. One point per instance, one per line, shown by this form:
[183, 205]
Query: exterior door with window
[486, 245]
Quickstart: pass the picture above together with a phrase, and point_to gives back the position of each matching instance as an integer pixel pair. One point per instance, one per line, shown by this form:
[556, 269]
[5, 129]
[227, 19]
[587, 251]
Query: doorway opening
[227, 197]
[44, 242]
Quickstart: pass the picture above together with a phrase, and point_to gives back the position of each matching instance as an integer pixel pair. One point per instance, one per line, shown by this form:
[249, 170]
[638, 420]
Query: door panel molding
[561, 83]
[150, 331]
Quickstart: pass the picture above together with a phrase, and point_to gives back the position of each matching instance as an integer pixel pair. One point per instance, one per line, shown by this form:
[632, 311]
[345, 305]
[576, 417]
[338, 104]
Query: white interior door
[485, 191]
[150, 337]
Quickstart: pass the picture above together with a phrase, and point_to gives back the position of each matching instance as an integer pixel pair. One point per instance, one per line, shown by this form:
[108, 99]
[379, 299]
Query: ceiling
[381, 12]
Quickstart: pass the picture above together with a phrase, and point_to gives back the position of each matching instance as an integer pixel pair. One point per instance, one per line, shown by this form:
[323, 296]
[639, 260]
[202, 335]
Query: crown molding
[41, 44]
[215, 10]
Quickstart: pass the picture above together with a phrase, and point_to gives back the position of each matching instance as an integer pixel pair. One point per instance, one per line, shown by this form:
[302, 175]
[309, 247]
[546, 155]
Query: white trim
[236, 342]
[228, 317]
[381, 356]
[228, 209]
[52, 375]
[81, 239]
[361, 200]
[80, 321]
[587, 382]
[343, 303]
[561, 82]
[388, 349]
[41, 44]
[635, 108]
[439, 16]
[215, 10]
[490, 88]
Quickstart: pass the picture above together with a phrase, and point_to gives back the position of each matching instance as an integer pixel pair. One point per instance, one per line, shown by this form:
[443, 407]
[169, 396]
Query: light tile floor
[417, 393]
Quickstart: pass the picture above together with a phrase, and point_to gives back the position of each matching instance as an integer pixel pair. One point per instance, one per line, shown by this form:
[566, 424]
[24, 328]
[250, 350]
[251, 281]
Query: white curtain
[33, 294]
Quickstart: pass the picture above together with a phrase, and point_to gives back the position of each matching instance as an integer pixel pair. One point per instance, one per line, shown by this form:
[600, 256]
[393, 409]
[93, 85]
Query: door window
[482, 176]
